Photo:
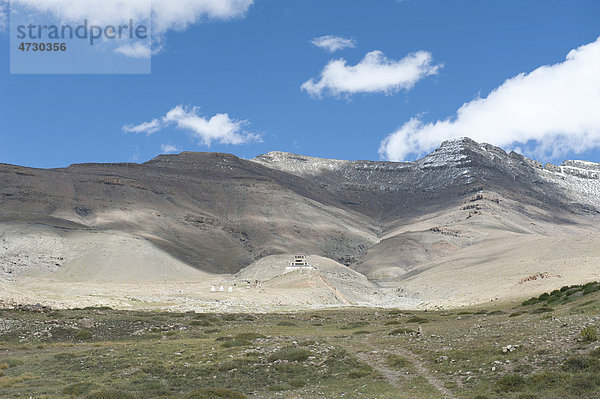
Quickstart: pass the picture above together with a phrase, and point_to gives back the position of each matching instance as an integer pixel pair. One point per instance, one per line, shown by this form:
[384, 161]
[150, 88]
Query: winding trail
[376, 359]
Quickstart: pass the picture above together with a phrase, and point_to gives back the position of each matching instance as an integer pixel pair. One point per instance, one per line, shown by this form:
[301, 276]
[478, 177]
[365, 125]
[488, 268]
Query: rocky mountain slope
[467, 223]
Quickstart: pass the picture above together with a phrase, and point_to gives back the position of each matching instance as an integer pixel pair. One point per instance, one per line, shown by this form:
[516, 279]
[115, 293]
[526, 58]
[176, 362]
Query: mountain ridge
[401, 224]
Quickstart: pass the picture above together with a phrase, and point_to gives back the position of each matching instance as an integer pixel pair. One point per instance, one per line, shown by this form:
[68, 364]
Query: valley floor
[545, 348]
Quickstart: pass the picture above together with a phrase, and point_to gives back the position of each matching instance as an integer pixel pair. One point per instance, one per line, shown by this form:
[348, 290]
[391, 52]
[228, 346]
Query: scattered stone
[32, 308]
[509, 348]
[86, 323]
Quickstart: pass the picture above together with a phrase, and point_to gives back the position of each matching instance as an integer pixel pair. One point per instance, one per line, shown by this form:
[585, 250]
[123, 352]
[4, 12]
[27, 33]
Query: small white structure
[299, 263]
[230, 289]
[221, 289]
[213, 288]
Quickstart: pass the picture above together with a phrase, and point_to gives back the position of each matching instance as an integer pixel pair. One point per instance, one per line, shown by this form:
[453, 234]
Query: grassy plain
[544, 348]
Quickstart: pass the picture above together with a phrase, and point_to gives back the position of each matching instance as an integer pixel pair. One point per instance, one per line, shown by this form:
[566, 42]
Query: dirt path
[377, 359]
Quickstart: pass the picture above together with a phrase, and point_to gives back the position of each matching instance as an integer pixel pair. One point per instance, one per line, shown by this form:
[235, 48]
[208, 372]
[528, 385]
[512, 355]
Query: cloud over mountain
[219, 128]
[545, 113]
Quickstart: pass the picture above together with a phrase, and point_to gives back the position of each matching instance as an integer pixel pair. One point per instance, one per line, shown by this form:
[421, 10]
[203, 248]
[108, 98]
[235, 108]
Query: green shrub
[547, 379]
[83, 335]
[589, 334]
[588, 289]
[249, 336]
[510, 382]
[543, 309]
[585, 382]
[417, 319]
[531, 301]
[79, 388]
[581, 363]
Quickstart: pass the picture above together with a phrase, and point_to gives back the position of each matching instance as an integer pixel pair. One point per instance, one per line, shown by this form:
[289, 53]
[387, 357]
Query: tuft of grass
[10, 363]
[417, 319]
[297, 382]
[78, 388]
[543, 309]
[510, 382]
[249, 336]
[290, 354]
[357, 324]
[397, 362]
[582, 363]
[496, 312]
[589, 334]
[547, 379]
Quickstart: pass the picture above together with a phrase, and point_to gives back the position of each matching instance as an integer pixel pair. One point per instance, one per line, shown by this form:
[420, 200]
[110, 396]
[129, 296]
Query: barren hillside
[467, 223]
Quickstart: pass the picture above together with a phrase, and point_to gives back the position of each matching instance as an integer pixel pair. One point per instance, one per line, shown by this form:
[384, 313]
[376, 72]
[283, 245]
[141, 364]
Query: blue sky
[252, 67]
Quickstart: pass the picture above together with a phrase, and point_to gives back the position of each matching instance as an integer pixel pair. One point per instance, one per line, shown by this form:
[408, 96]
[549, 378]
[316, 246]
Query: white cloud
[147, 127]
[134, 50]
[373, 74]
[169, 148]
[166, 14]
[219, 128]
[333, 43]
[547, 112]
